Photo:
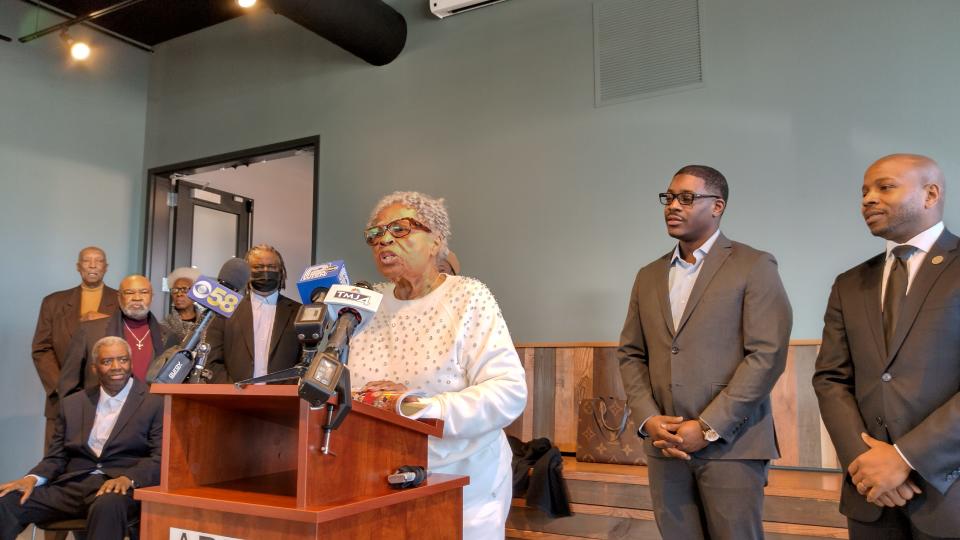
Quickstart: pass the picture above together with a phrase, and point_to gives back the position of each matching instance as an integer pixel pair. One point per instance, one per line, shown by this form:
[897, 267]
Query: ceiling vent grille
[645, 48]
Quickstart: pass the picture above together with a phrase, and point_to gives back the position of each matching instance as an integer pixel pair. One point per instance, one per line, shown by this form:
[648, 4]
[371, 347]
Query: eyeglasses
[686, 198]
[131, 292]
[179, 290]
[107, 362]
[397, 228]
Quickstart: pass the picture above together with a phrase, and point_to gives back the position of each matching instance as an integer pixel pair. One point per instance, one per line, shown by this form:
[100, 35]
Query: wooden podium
[247, 464]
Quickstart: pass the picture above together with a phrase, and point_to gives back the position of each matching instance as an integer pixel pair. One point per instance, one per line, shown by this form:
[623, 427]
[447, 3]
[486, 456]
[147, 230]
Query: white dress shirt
[923, 242]
[108, 410]
[683, 276]
[264, 312]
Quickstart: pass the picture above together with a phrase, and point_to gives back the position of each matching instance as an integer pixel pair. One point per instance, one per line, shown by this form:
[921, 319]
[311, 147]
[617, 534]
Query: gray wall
[553, 201]
[71, 162]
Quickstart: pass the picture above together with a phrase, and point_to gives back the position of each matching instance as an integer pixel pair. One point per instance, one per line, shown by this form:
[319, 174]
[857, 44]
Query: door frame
[157, 259]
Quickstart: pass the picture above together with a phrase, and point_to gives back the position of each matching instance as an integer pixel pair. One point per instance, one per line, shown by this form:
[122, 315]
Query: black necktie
[896, 290]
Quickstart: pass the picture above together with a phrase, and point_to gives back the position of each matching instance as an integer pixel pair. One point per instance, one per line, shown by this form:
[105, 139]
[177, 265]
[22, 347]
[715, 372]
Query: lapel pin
[937, 260]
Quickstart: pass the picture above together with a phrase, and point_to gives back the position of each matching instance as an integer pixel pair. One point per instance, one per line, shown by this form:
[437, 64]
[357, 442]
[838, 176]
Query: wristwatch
[709, 434]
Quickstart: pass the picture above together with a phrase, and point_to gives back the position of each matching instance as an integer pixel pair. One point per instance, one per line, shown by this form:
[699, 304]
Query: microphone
[315, 280]
[351, 308]
[219, 297]
[312, 318]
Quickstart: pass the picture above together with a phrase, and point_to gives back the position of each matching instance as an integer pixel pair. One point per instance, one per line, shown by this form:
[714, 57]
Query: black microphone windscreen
[318, 295]
[235, 273]
[364, 284]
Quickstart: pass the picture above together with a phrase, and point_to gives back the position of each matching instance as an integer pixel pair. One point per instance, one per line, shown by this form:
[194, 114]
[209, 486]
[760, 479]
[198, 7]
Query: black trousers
[894, 524]
[107, 515]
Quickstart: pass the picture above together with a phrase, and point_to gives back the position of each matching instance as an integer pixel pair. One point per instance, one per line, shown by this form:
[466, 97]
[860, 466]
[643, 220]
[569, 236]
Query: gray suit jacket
[722, 361]
[918, 405]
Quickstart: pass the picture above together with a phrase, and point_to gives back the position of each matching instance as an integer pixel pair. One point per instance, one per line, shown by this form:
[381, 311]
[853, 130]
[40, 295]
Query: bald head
[135, 294]
[92, 265]
[903, 195]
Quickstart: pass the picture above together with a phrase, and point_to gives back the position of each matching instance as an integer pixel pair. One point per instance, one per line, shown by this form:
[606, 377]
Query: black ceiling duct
[370, 29]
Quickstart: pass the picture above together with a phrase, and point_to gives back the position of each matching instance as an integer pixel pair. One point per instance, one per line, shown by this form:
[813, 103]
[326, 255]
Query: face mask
[265, 282]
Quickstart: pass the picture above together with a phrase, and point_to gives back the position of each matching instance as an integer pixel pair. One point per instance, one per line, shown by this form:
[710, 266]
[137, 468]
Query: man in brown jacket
[60, 315]
[704, 341]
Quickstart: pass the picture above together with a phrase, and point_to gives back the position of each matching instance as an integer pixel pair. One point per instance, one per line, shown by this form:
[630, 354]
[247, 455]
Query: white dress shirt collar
[923, 241]
[698, 253]
[119, 399]
[270, 299]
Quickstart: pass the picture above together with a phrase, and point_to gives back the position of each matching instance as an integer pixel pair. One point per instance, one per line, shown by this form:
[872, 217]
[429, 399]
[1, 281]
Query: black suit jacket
[231, 342]
[58, 321]
[908, 395]
[77, 372]
[133, 449]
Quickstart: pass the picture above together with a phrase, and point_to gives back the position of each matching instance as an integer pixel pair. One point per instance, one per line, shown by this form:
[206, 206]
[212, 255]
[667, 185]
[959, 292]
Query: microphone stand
[290, 373]
[336, 414]
[199, 373]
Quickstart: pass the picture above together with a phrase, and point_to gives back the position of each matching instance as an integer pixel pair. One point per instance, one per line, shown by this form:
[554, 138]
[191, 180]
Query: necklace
[139, 340]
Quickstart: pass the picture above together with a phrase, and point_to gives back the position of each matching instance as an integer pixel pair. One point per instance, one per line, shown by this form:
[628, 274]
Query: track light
[79, 50]
[246, 3]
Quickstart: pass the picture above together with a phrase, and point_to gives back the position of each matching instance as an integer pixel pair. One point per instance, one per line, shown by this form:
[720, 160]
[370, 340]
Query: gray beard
[135, 314]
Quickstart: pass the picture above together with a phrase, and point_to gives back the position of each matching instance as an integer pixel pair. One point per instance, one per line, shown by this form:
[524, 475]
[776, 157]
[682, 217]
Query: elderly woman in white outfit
[445, 336]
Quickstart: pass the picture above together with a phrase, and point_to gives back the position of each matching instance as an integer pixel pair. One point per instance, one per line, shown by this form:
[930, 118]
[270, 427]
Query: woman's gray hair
[430, 211]
[109, 340]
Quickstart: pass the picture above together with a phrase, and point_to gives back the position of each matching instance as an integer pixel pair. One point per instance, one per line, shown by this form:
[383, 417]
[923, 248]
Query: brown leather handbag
[607, 434]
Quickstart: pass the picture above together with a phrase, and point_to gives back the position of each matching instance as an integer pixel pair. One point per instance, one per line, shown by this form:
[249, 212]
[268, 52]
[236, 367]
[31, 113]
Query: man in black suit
[61, 313]
[888, 374]
[260, 337]
[133, 322]
[106, 442]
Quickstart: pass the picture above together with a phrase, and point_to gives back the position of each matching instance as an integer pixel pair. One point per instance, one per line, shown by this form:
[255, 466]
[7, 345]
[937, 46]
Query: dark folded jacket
[545, 488]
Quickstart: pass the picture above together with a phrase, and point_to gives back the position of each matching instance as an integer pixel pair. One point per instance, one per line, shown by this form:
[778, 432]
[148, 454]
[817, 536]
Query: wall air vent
[645, 48]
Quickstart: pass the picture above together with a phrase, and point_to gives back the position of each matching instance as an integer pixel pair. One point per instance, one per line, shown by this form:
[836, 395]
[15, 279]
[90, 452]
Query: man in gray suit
[704, 341]
[888, 373]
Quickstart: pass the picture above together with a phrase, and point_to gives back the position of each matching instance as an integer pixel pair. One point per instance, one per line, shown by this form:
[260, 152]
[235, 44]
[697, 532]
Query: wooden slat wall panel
[544, 384]
[784, 396]
[559, 375]
[574, 372]
[808, 411]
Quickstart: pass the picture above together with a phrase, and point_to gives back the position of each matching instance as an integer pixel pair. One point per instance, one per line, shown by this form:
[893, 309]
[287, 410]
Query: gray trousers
[715, 499]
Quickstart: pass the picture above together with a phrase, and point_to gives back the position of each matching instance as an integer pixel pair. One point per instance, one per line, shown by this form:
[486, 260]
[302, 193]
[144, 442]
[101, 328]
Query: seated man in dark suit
[106, 442]
[260, 337]
[133, 322]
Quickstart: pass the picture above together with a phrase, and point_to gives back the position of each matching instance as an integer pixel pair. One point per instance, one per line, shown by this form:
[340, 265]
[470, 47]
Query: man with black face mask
[259, 338]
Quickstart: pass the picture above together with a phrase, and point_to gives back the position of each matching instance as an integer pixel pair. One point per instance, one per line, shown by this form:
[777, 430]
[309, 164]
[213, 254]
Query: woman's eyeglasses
[397, 228]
